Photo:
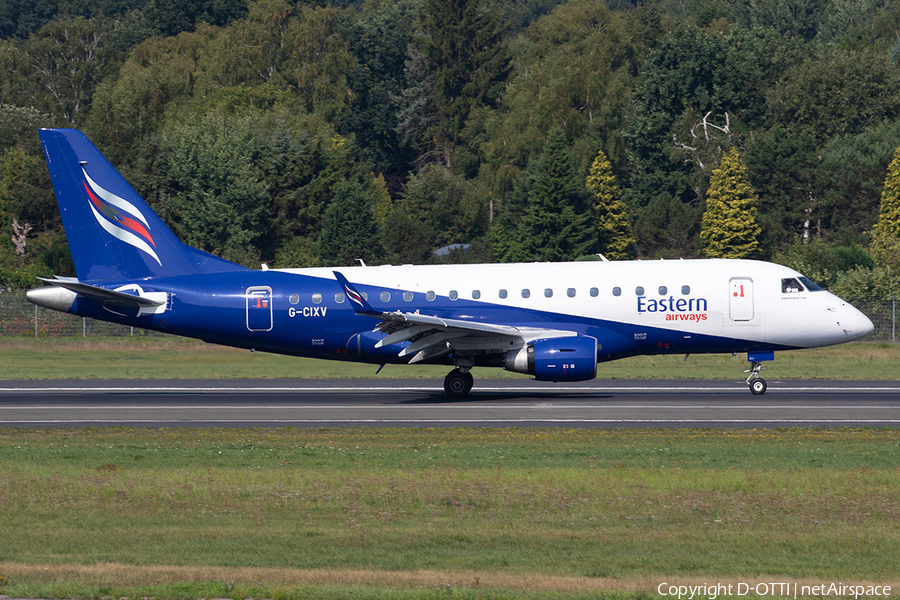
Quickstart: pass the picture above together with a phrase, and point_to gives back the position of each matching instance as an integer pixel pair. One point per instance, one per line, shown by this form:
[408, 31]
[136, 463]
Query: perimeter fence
[18, 317]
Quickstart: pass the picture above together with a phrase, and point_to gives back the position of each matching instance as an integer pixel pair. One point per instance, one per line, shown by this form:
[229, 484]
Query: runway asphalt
[422, 403]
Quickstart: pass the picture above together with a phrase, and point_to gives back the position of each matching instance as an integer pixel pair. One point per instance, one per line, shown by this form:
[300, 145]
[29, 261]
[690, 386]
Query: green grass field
[155, 358]
[419, 513]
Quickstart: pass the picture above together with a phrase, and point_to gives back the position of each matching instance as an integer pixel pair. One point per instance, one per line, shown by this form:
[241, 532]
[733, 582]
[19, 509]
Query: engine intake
[557, 359]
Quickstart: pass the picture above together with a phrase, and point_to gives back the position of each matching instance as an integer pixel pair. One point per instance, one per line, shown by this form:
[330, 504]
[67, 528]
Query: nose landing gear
[757, 384]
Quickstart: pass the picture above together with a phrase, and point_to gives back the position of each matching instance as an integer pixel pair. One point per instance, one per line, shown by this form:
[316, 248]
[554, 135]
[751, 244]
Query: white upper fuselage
[737, 299]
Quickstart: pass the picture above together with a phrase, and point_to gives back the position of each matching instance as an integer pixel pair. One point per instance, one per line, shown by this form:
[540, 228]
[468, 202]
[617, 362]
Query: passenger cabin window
[639, 290]
[294, 298]
[685, 290]
[789, 285]
[476, 294]
[548, 293]
[430, 295]
[595, 292]
[570, 292]
[526, 293]
[385, 296]
[617, 291]
[663, 290]
[407, 296]
[317, 298]
[339, 298]
[454, 294]
[503, 294]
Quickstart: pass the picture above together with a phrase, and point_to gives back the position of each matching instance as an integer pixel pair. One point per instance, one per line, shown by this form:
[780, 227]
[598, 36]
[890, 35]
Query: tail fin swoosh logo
[354, 297]
[120, 218]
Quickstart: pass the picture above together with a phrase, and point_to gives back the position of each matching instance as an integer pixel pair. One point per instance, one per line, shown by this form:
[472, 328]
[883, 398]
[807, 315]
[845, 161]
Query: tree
[65, 60]
[836, 92]
[212, 194]
[573, 68]
[555, 226]
[850, 179]
[441, 201]
[783, 163]
[885, 247]
[349, 230]
[465, 48]
[379, 42]
[729, 228]
[613, 225]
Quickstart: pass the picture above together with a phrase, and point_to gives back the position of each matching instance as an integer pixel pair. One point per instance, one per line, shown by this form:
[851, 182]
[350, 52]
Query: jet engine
[556, 359]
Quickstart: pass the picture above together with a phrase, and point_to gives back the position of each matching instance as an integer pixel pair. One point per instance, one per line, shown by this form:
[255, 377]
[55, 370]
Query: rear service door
[259, 308]
[740, 300]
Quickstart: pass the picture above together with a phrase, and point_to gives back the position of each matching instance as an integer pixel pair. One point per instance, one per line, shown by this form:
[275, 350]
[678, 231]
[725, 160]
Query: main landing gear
[458, 382]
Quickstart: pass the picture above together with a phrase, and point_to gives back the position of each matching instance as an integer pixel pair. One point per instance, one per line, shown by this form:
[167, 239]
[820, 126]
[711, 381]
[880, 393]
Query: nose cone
[864, 325]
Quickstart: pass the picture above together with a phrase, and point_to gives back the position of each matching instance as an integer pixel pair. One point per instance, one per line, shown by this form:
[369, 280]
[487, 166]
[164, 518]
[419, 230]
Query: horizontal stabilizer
[103, 295]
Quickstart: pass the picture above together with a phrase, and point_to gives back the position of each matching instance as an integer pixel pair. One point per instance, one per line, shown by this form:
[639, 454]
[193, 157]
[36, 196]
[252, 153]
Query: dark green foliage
[349, 230]
[407, 240]
[62, 64]
[338, 91]
[556, 225]
[851, 178]
[211, 191]
[837, 93]
[445, 206]
[783, 166]
[379, 42]
[171, 17]
[21, 18]
[667, 228]
[465, 51]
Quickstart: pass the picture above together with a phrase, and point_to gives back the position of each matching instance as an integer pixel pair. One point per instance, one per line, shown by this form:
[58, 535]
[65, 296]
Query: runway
[422, 403]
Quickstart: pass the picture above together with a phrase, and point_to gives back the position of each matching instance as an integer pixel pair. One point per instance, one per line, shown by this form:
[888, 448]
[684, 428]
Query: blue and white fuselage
[553, 320]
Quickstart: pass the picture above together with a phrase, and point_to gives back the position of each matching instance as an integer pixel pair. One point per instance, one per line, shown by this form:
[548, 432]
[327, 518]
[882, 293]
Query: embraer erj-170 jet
[554, 321]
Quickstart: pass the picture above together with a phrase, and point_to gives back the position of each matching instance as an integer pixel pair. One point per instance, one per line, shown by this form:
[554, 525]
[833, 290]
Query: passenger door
[259, 308]
[740, 300]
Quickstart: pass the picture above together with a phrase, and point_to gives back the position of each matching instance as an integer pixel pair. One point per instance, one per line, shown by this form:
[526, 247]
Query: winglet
[360, 305]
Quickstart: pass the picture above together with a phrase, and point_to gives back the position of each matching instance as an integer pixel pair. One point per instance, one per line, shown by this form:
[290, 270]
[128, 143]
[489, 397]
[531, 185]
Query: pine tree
[349, 230]
[465, 48]
[613, 227]
[553, 228]
[885, 247]
[729, 228]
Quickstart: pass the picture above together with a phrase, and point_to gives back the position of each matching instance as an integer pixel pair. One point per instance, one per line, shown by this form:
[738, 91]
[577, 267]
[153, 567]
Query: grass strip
[558, 511]
[180, 358]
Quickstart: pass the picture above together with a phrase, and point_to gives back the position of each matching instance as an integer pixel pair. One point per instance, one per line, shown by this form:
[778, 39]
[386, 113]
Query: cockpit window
[790, 286]
[811, 285]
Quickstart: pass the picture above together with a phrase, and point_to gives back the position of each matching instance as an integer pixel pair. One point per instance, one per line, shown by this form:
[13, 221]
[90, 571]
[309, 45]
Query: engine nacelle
[556, 359]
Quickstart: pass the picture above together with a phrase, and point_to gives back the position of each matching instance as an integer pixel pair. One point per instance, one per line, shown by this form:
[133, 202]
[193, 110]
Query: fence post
[893, 319]
[35, 320]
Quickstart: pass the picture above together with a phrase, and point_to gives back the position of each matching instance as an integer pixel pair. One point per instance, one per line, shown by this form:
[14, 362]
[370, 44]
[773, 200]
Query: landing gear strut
[757, 384]
[458, 383]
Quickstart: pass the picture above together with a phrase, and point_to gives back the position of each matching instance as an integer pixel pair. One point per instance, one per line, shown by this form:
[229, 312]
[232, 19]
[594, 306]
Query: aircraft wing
[432, 336]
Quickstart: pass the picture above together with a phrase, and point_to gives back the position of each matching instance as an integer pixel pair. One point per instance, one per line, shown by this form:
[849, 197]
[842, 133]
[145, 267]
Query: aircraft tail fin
[112, 233]
[357, 300]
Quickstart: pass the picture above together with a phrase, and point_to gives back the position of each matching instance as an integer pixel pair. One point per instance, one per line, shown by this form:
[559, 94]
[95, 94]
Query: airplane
[554, 321]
